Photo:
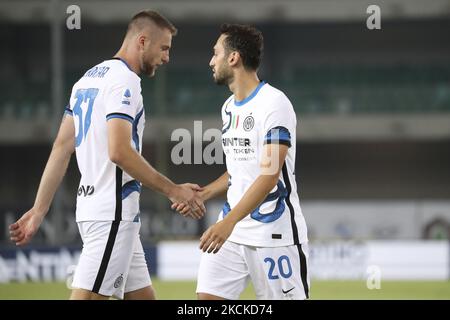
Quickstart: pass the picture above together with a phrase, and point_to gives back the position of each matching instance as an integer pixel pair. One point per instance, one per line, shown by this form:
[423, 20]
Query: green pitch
[172, 290]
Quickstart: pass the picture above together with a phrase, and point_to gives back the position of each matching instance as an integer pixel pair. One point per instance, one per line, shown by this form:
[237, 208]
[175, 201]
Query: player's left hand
[213, 238]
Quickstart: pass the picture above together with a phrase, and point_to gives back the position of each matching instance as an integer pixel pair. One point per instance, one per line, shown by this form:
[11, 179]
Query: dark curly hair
[246, 40]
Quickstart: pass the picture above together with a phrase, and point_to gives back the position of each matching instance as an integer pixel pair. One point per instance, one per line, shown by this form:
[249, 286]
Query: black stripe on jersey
[119, 115]
[106, 256]
[288, 201]
[278, 141]
[303, 270]
[67, 109]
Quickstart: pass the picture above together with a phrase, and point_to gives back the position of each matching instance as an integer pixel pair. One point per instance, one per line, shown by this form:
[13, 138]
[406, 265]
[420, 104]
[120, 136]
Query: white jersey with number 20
[265, 117]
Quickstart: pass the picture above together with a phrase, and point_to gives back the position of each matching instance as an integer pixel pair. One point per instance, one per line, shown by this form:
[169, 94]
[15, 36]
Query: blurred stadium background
[373, 154]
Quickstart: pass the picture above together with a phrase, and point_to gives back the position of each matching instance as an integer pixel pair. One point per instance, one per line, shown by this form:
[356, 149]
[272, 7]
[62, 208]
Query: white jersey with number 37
[265, 117]
[107, 91]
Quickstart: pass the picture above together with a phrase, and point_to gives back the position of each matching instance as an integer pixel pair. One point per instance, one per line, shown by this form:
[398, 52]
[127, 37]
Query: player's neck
[244, 84]
[133, 64]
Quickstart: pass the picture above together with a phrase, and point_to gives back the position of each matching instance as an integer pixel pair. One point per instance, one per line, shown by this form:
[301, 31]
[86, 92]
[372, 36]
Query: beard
[223, 76]
[146, 68]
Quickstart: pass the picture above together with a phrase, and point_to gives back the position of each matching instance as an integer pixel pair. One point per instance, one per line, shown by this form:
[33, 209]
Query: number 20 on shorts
[284, 267]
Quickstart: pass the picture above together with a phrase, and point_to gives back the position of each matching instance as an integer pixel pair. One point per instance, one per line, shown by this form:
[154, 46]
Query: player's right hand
[181, 208]
[188, 199]
[24, 229]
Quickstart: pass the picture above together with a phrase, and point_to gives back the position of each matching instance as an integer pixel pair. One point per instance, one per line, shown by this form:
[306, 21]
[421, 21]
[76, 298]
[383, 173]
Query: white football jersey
[108, 90]
[266, 116]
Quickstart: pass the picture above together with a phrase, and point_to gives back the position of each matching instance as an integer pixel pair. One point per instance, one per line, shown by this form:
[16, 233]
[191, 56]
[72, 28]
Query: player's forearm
[54, 172]
[254, 196]
[215, 188]
[137, 167]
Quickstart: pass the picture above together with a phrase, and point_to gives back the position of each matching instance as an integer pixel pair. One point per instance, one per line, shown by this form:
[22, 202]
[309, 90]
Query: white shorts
[279, 273]
[112, 261]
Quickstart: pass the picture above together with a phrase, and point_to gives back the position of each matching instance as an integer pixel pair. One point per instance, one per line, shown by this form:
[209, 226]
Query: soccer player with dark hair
[261, 233]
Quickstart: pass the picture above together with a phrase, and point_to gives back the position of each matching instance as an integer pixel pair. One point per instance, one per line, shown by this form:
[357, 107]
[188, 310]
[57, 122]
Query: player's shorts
[279, 273]
[112, 261]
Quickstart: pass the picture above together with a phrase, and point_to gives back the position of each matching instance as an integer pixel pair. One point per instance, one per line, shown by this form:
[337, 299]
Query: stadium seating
[312, 90]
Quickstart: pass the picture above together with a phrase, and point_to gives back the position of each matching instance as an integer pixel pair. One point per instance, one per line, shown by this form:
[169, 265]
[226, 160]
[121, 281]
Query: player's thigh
[224, 274]
[106, 256]
[280, 273]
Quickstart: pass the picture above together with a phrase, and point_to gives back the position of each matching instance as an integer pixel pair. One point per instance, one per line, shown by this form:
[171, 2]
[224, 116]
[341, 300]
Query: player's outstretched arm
[23, 229]
[216, 188]
[271, 165]
[125, 156]
[212, 190]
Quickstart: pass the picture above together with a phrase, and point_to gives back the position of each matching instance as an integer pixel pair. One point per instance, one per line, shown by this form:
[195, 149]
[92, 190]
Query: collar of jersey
[124, 62]
[251, 96]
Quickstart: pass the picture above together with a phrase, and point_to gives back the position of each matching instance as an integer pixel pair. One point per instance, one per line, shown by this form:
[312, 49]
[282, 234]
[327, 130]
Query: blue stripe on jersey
[124, 62]
[120, 116]
[279, 135]
[226, 208]
[280, 194]
[251, 96]
[134, 131]
[129, 187]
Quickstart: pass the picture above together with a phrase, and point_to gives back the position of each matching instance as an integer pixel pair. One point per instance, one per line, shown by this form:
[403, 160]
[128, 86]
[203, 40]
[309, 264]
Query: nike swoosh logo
[287, 291]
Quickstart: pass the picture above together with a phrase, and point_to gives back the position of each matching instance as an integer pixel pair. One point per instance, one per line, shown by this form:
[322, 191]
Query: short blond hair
[140, 20]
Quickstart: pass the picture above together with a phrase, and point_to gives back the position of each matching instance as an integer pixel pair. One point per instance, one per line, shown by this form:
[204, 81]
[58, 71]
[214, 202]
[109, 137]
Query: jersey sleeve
[280, 124]
[67, 110]
[122, 100]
